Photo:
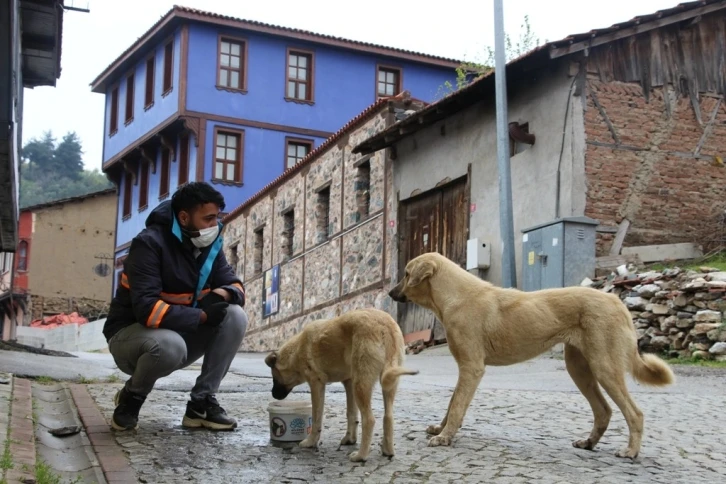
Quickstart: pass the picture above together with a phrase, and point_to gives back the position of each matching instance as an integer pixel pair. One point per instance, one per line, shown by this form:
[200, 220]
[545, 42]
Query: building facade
[610, 133]
[30, 52]
[615, 128]
[69, 239]
[203, 96]
[317, 240]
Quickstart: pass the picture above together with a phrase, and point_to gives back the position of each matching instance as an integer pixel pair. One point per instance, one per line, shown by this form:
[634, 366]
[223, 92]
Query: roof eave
[98, 85]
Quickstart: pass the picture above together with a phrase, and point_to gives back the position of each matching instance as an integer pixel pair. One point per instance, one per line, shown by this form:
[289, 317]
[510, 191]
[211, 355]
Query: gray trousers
[149, 354]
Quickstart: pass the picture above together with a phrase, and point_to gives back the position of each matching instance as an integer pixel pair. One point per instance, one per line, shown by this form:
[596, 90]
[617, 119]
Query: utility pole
[506, 222]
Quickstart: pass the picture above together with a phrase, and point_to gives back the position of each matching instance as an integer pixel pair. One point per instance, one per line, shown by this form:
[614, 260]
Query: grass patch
[717, 261]
[86, 381]
[45, 380]
[113, 378]
[44, 474]
[6, 462]
[696, 362]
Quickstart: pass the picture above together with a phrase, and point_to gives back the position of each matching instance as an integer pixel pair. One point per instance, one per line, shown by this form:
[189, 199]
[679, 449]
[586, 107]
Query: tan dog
[357, 349]
[488, 325]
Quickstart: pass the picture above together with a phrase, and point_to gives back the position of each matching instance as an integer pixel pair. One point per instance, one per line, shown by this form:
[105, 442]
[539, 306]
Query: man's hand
[215, 313]
[222, 292]
[211, 298]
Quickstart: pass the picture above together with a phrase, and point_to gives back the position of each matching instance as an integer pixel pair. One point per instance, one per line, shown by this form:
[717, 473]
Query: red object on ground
[62, 319]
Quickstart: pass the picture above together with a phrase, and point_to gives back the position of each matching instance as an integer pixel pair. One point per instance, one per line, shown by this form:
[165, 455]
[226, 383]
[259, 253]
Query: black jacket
[160, 278]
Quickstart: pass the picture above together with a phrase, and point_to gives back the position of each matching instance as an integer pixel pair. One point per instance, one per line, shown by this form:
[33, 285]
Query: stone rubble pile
[676, 313]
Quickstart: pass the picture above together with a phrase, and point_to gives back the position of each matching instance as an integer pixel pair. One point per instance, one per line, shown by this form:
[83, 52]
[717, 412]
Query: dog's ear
[420, 271]
[271, 359]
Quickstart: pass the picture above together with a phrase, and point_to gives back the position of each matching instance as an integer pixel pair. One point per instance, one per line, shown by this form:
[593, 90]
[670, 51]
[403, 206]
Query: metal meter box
[558, 253]
[478, 254]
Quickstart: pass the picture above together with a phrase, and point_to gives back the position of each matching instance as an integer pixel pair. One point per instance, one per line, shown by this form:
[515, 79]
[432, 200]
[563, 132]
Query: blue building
[203, 96]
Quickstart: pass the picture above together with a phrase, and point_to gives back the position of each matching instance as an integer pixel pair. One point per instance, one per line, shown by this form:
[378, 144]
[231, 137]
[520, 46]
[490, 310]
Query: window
[168, 66]
[143, 185]
[164, 178]
[299, 76]
[362, 190]
[7, 262]
[322, 214]
[389, 81]
[128, 193]
[149, 96]
[183, 160]
[232, 59]
[288, 234]
[259, 243]
[515, 147]
[113, 124]
[228, 157]
[129, 99]
[296, 151]
[234, 257]
[23, 256]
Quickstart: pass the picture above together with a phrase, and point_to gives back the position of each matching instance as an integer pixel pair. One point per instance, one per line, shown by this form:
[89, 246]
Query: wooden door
[435, 221]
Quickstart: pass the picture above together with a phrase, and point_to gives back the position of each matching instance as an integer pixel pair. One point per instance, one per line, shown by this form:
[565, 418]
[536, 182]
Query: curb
[114, 462]
[21, 433]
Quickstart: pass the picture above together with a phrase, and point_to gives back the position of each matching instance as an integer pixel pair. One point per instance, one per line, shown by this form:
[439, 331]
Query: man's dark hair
[193, 194]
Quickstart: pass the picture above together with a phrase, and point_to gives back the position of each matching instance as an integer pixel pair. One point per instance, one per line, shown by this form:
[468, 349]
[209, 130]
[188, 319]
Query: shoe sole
[196, 423]
[114, 425]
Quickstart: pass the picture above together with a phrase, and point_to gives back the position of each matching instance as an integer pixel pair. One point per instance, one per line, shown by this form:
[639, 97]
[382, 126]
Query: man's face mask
[205, 215]
[206, 237]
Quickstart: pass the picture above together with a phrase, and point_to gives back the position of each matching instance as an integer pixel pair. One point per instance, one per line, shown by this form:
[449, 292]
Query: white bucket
[290, 421]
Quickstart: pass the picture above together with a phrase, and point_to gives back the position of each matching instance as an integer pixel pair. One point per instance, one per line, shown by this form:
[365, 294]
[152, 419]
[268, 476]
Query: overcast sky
[460, 30]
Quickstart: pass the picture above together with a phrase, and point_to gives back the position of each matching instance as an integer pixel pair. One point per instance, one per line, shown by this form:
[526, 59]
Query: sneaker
[126, 415]
[207, 413]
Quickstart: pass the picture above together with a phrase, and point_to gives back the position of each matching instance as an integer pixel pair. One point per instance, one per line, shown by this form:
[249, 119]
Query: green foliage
[468, 72]
[52, 171]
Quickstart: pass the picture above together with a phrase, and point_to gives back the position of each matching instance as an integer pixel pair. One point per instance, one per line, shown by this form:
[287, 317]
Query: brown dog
[488, 325]
[357, 349]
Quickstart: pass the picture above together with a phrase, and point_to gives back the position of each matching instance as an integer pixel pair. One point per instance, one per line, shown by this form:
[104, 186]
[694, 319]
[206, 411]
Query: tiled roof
[181, 12]
[293, 170]
[472, 92]
[78, 198]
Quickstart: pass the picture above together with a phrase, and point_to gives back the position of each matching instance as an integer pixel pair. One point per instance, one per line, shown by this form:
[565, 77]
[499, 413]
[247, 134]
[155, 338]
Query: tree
[68, 159]
[39, 153]
[51, 171]
[468, 72]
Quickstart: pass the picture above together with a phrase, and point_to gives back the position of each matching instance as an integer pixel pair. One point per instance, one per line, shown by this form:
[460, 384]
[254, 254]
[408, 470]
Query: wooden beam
[192, 125]
[604, 115]
[596, 40]
[708, 129]
[145, 155]
[130, 170]
[620, 237]
[167, 143]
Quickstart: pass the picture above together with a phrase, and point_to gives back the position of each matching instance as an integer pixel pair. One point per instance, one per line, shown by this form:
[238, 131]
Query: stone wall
[676, 313]
[89, 308]
[325, 226]
[655, 163]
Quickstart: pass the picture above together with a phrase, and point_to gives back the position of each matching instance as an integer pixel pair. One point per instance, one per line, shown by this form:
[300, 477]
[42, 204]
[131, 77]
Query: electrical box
[558, 253]
[478, 254]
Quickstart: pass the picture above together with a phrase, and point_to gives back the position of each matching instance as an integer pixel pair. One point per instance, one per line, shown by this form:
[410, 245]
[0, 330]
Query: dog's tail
[651, 370]
[392, 373]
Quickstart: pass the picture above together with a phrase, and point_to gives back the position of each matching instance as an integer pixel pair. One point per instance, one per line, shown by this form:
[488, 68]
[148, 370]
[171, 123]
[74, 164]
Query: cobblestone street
[508, 435]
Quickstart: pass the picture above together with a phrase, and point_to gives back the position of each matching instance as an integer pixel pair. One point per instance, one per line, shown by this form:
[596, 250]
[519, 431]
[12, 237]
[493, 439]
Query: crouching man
[178, 299]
